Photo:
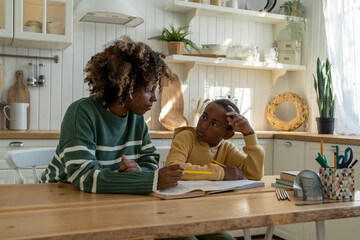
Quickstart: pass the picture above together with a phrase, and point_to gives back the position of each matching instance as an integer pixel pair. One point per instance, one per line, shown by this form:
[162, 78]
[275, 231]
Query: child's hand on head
[233, 173]
[127, 165]
[169, 176]
[238, 122]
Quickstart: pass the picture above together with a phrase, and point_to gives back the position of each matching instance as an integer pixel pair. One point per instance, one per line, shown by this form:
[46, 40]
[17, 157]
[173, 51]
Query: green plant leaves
[177, 35]
[295, 18]
[323, 88]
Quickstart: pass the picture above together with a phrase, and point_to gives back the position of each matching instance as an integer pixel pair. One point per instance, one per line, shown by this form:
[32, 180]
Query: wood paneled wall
[251, 87]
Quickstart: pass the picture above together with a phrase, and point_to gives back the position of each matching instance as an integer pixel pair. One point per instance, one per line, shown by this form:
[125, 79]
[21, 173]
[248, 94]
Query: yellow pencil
[197, 172]
[322, 147]
[218, 163]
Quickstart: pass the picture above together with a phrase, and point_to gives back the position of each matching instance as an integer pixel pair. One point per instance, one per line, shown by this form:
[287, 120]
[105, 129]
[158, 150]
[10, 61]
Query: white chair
[163, 151]
[18, 159]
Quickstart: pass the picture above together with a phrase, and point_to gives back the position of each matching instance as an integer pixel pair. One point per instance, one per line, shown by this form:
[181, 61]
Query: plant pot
[176, 48]
[325, 125]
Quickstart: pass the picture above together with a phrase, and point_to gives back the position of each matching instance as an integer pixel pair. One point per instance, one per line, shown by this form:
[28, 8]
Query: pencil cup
[194, 119]
[337, 183]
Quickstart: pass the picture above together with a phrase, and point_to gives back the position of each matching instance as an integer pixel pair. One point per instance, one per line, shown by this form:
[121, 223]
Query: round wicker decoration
[302, 111]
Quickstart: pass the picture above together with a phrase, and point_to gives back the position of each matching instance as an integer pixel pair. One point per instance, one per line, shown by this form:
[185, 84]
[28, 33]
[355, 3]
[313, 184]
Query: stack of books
[286, 179]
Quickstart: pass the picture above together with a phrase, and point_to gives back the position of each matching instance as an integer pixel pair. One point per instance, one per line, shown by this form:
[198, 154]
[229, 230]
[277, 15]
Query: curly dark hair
[123, 69]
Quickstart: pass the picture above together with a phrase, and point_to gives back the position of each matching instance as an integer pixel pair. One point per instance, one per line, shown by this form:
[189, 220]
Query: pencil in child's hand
[218, 163]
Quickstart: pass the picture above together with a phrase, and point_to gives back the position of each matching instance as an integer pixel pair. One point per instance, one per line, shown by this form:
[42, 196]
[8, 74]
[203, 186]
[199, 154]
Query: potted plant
[176, 38]
[295, 20]
[325, 97]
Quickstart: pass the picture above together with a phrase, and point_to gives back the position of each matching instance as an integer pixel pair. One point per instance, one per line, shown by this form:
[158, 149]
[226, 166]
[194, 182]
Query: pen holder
[337, 183]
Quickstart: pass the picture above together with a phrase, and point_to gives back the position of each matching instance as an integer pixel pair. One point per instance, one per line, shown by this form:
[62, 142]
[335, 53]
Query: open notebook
[187, 189]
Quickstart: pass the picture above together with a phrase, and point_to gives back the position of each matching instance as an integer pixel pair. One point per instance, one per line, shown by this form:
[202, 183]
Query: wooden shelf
[226, 12]
[192, 10]
[278, 69]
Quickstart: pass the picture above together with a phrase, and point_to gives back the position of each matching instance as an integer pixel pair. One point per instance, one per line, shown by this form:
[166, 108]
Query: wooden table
[59, 211]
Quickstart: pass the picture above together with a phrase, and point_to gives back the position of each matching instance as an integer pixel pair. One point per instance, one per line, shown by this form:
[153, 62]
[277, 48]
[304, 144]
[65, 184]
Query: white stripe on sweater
[77, 172]
[82, 179]
[96, 173]
[127, 144]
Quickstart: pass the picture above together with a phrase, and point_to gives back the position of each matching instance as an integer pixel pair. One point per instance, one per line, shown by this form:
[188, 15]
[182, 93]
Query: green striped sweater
[91, 144]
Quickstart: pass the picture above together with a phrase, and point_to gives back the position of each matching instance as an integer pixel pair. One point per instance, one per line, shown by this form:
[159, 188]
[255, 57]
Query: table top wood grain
[58, 211]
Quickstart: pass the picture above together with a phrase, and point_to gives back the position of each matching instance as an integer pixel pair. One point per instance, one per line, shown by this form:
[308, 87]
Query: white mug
[18, 115]
[272, 52]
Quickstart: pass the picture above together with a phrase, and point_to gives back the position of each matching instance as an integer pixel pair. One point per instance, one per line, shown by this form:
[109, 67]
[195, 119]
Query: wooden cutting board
[19, 93]
[172, 104]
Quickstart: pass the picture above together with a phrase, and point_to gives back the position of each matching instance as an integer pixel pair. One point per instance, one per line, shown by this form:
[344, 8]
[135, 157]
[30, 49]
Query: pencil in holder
[337, 183]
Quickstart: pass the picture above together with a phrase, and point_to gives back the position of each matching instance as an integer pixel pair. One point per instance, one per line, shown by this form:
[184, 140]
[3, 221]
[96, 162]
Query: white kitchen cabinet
[289, 155]
[7, 176]
[45, 24]
[192, 9]
[6, 20]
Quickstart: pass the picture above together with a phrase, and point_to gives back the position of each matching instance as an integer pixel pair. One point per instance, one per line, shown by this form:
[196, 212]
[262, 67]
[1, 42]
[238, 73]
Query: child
[104, 144]
[194, 148]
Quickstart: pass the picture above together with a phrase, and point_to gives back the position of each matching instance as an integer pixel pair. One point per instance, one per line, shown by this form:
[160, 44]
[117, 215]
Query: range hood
[107, 11]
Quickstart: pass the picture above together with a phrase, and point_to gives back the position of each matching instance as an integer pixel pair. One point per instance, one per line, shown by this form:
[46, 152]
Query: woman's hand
[233, 173]
[238, 122]
[127, 165]
[169, 176]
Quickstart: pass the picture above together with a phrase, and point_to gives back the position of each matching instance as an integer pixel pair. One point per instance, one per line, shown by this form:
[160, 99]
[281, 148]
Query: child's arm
[181, 148]
[250, 163]
[233, 173]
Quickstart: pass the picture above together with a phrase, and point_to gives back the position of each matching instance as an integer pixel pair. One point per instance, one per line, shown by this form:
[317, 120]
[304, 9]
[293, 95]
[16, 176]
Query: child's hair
[123, 69]
[225, 103]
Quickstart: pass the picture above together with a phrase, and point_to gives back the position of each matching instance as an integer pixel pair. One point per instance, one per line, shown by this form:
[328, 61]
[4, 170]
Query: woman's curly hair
[123, 69]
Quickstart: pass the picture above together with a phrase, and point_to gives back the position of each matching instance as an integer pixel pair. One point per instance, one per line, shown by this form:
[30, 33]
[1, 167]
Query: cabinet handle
[289, 144]
[16, 144]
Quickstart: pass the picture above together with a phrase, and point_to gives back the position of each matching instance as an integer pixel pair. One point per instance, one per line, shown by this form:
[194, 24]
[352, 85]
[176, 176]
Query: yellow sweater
[195, 155]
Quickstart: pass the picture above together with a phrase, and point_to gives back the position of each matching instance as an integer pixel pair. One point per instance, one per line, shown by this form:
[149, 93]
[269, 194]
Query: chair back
[33, 157]
[163, 151]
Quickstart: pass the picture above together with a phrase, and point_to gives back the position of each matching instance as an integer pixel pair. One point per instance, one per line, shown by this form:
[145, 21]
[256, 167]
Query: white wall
[65, 79]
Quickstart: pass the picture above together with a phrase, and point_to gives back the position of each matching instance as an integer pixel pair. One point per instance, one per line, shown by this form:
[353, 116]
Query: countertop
[299, 136]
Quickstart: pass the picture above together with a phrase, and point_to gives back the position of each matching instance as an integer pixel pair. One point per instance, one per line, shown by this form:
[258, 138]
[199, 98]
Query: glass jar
[31, 80]
[41, 80]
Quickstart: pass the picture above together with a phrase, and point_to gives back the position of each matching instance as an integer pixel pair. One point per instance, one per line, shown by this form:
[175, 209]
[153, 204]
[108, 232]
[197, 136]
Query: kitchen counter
[300, 136]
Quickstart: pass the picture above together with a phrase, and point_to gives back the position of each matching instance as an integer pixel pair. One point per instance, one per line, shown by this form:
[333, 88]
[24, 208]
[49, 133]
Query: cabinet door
[6, 21]
[268, 145]
[289, 155]
[43, 23]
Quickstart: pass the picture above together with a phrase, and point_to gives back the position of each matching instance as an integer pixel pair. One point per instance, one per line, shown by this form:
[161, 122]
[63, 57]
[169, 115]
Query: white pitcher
[18, 115]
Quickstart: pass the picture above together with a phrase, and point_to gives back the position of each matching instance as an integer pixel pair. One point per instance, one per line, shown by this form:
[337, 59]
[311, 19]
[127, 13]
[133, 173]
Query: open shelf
[226, 12]
[278, 69]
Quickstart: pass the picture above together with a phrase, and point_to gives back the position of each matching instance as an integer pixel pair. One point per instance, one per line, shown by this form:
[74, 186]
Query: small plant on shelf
[295, 20]
[177, 39]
